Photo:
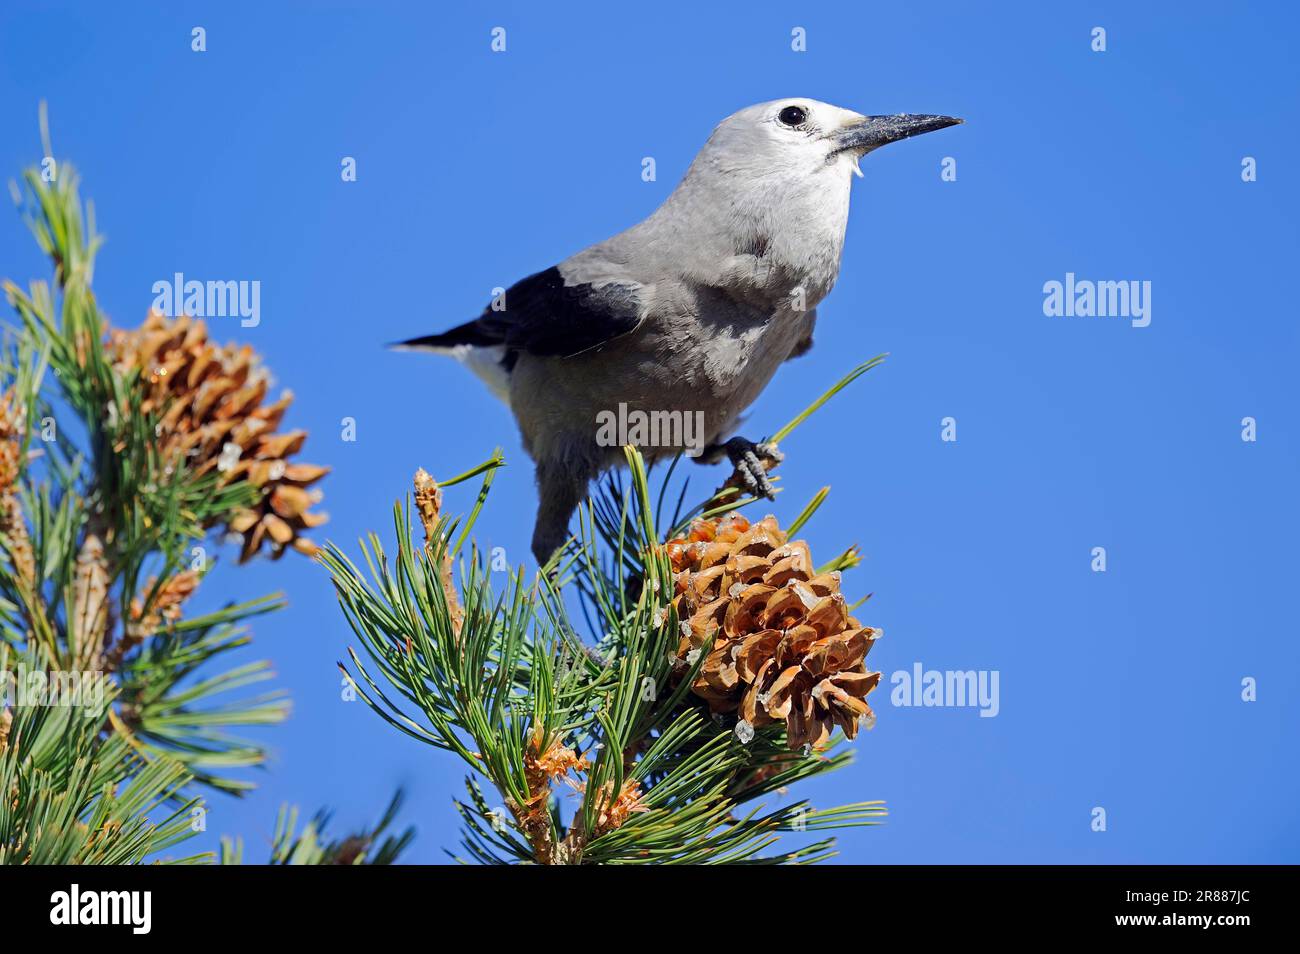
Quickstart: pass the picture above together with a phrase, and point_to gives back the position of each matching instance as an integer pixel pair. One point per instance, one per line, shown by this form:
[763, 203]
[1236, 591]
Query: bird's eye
[792, 115]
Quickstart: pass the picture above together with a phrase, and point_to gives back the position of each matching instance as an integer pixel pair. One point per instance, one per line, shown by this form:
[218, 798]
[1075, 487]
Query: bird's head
[801, 135]
[772, 185]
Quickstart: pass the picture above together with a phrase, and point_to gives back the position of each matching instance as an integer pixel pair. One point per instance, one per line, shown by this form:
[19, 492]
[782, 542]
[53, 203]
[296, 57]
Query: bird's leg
[752, 462]
[711, 454]
[559, 492]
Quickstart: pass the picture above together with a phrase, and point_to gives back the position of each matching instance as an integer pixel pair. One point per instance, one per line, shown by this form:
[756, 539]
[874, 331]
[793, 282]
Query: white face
[797, 135]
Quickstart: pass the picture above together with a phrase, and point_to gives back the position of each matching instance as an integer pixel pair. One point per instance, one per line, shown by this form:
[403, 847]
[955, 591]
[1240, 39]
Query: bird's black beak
[876, 131]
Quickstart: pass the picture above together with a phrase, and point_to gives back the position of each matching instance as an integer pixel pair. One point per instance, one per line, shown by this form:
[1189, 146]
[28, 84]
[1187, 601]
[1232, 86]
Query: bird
[690, 311]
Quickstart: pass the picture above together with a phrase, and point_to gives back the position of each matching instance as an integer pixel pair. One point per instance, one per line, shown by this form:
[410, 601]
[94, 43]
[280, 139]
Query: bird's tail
[484, 356]
[470, 334]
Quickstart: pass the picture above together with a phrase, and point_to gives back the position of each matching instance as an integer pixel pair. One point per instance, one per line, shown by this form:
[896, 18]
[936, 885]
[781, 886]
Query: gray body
[691, 310]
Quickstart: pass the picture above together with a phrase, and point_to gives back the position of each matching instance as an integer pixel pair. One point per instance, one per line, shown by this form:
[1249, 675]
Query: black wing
[545, 317]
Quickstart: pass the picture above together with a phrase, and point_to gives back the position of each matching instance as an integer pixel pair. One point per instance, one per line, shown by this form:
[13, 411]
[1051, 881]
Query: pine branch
[102, 544]
[632, 719]
[309, 846]
[74, 797]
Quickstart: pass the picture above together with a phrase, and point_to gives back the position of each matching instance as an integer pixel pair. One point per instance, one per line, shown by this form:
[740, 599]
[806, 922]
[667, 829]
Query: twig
[428, 501]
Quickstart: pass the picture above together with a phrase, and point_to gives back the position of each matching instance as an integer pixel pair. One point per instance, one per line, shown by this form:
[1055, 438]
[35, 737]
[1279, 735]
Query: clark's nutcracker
[690, 311]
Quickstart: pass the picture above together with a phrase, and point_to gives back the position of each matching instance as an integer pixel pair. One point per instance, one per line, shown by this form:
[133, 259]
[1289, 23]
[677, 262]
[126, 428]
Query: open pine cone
[210, 401]
[784, 645]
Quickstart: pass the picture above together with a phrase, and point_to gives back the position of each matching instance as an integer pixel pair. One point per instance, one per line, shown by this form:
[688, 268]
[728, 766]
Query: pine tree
[719, 666]
[648, 697]
[122, 454]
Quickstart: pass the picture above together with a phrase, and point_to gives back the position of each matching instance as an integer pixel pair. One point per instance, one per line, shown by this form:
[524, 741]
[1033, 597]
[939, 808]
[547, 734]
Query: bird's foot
[752, 462]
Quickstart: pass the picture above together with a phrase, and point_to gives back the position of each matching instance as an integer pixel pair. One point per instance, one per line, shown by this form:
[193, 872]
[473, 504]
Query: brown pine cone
[212, 415]
[784, 645]
[13, 526]
[10, 450]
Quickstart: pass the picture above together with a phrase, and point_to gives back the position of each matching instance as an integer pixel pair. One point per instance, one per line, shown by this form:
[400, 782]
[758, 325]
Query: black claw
[747, 457]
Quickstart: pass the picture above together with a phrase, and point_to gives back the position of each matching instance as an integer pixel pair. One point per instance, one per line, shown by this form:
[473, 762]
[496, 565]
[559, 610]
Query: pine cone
[209, 401]
[784, 645]
[10, 451]
[12, 524]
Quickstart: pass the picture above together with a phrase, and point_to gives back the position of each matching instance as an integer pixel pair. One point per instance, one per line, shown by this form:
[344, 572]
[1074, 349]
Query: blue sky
[1119, 690]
